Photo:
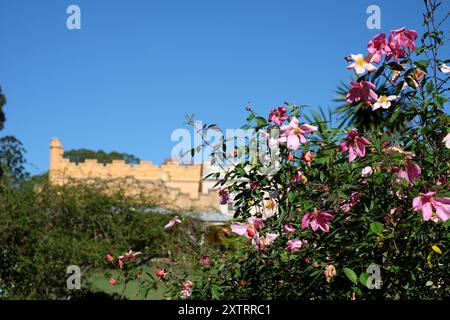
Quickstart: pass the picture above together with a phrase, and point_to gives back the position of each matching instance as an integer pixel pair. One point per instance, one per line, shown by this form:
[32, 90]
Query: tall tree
[12, 159]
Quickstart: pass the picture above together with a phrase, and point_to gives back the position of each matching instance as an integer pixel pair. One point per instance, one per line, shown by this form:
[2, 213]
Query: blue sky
[125, 80]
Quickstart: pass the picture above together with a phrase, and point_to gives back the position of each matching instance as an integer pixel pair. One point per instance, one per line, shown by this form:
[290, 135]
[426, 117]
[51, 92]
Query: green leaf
[430, 87]
[351, 275]
[422, 64]
[291, 196]
[284, 257]
[215, 292]
[261, 121]
[443, 195]
[376, 227]
[395, 66]
[363, 277]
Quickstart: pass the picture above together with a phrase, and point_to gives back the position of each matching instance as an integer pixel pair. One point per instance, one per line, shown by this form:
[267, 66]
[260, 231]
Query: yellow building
[170, 185]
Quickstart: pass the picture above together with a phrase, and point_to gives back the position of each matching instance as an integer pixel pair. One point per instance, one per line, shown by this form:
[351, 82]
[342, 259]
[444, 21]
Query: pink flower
[247, 230]
[346, 207]
[353, 199]
[129, 256]
[204, 260]
[257, 222]
[172, 222]
[289, 228]
[278, 115]
[378, 46]
[186, 293]
[361, 64]
[297, 177]
[295, 134]
[410, 172]
[120, 263]
[112, 281]
[403, 37]
[187, 284]
[432, 208]
[160, 273]
[187, 289]
[399, 40]
[362, 91]
[239, 228]
[264, 241]
[290, 157]
[255, 185]
[355, 145]
[109, 258]
[317, 219]
[294, 245]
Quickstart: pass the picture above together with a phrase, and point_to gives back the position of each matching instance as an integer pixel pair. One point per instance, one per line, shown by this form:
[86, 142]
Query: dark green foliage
[79, 155]
[45, 229]
[12, 159]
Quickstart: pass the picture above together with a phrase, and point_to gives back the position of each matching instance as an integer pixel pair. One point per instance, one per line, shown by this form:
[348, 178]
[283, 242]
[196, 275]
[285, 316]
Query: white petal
[356, 56]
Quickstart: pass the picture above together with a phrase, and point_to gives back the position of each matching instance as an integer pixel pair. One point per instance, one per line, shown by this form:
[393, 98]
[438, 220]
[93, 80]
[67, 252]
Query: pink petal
[307, 128]
[294, 122]
[305, 220]
[417, 203]
[361, 149]
[314, 224]
[351, 154]
[324, 226]
[293, 142]
[427, 211]
[239, 228]
[442, 206]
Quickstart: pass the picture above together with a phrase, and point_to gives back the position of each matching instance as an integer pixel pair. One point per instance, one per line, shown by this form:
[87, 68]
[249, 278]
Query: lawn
[98, 281]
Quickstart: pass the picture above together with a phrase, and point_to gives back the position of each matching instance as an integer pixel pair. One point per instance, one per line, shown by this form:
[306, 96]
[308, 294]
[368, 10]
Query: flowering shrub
[358, 213]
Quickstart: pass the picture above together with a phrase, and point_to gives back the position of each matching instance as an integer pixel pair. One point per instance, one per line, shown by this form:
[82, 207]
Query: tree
[79, 155]
[12, 159]
[2, 114]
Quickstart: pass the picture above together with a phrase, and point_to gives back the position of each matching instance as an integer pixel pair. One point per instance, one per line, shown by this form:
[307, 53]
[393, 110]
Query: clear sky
[125, 80]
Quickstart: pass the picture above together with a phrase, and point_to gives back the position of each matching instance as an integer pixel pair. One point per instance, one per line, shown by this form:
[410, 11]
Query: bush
[360, 213]
[44, 229]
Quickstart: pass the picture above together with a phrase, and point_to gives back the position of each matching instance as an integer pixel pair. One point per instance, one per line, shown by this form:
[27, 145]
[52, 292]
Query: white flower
[446, 140]
[270, 208]
[361, 64]
[444, 68]
[367, 171]
[383, 102]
